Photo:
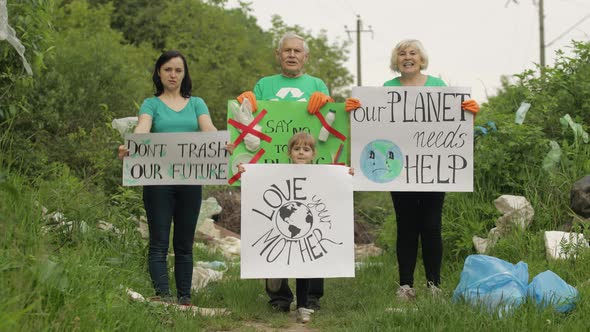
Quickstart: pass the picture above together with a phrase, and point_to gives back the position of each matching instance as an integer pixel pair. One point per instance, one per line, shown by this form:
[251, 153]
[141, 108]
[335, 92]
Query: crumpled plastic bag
[552, 158]
[521, 113]
[125, 125]
[547, 288]
[577, 129]
[243, 114]
[7, 33]
[492, 283]
[229, 246]
[202, 276]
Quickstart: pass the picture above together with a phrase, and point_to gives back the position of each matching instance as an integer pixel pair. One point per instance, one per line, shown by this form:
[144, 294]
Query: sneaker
[303, 315]
[166, 298]
[273, 285]
[185, 300]
[434, 290]
[406, 293]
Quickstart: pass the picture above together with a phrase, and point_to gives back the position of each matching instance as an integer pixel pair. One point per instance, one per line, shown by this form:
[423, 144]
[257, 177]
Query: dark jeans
[163, 204]
[419, 218]
[309, 291]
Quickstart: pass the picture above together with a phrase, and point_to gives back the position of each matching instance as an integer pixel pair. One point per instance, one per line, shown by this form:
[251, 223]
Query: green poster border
[282, 119]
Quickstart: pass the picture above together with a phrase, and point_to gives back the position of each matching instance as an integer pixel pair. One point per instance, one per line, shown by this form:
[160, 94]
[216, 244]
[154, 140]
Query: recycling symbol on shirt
[290, 94]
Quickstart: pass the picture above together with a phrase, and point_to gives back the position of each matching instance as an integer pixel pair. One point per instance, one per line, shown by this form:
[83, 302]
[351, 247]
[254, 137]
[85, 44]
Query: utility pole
[541, 31]
[359, 29]
[542, 44]
[541, 35]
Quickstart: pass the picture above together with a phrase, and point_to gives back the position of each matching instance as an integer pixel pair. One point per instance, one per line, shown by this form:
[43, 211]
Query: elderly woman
[418, 214]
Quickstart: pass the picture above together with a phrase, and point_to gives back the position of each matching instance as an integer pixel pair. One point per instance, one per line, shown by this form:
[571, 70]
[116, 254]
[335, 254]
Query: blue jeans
[164, 204]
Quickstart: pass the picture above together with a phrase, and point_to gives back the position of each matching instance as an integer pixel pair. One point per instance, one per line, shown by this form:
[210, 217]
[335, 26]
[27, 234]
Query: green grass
[75, 278]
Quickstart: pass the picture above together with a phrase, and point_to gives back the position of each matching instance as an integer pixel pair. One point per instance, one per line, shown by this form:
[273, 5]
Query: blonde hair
[301, 138]
[402, 45]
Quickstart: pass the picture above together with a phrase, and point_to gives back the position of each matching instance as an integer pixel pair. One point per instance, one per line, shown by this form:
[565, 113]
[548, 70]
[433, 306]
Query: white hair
[292, 35]
[405, 44]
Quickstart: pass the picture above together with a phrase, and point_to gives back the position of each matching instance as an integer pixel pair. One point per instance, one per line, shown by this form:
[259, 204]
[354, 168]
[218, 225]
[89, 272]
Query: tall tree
[91, 76]
[139, 22]
[32, 21]
[228, 52]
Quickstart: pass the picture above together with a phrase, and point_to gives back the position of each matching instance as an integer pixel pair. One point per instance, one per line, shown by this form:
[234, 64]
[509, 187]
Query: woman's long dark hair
[185, 86]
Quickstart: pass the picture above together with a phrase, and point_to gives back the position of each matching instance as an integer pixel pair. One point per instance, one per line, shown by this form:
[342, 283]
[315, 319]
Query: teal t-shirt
[430, 81]
[166, 120]
[282, 88]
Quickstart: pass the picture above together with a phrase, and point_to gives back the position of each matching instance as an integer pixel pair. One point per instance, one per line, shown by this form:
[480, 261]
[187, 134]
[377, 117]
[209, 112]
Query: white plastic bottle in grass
[324, 133]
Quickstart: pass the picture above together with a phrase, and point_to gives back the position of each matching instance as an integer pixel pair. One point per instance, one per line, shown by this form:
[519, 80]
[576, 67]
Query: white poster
[176, 158]
[412, 139]
[297, 221]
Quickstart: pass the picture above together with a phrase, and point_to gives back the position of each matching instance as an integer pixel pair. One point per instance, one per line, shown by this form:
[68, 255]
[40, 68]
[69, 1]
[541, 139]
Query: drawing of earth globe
[381, 161]
[294, 220]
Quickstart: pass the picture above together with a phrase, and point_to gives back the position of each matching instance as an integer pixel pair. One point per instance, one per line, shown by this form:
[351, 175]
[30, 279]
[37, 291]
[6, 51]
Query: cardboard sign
[268, 131]
[176, 158]
[412, 139]
[297, 221]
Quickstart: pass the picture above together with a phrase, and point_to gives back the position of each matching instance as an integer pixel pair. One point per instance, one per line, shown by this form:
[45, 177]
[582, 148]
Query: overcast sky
[470, 42]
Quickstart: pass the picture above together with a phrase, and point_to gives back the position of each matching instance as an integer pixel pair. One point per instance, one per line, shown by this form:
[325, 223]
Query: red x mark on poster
[249, 129]
[254, 160]
[330, 128]
[337, 156]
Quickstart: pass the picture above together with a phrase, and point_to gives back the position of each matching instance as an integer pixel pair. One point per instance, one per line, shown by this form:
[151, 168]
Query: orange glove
[351, 104]
[251, 97]
[317, 101]
[470, 105]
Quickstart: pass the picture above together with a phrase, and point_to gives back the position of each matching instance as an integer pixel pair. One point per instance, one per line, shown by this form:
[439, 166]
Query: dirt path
[294, 327]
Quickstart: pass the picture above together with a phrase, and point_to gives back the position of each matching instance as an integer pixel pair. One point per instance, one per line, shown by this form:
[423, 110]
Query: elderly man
[292, 84]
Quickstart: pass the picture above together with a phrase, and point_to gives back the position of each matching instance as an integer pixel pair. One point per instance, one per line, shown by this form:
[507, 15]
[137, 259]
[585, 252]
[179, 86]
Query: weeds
[66, 274]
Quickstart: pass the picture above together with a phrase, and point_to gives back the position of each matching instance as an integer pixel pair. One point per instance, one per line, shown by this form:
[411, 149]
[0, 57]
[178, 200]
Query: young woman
[172, 109]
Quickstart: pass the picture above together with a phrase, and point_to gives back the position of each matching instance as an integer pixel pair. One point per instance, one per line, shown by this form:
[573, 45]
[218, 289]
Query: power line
[568, 30]
[542, 45]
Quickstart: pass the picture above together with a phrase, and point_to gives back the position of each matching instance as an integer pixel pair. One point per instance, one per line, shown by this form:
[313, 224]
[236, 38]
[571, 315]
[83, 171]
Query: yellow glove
[251, 97]
[317, 101]
[351, 104]
[470, 105]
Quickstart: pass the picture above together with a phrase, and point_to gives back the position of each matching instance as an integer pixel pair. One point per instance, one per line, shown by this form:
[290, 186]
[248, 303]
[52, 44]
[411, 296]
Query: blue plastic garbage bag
[492, 283]
[547, 288]
[492, 126]
[480, 130]
[487, 128]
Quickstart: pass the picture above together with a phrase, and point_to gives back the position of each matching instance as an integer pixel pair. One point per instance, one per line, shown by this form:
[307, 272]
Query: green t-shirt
[166, 120]
[430, 81]
[282, 88]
